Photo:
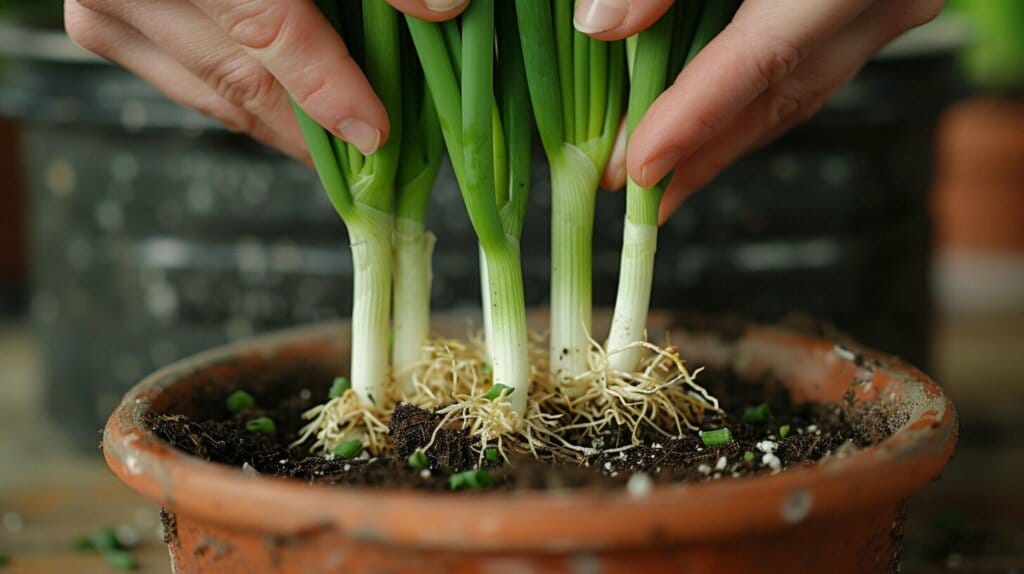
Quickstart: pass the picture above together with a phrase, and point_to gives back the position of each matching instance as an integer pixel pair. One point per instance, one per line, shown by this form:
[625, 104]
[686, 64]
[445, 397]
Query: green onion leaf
[348, 448]
[491, 454]
[120, 560]
[784, 431]
[748, 456]
[497, 390]
[418, 460]
[339, 386]
[238, 401]
[717, 437]
[262, 425]
[757, 415]
[470, 480]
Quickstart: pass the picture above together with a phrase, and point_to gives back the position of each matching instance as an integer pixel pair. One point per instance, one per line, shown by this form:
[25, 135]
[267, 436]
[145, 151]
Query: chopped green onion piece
[261, 425]
[757, 415]
[470, 480]
[783, 431]
[348, 448]
[497, 390]
[238, 401]
[339, 386]
[418, 460]
[717, 437]
[748, 456]
[491, 454]
[120, 559]
[104, 540]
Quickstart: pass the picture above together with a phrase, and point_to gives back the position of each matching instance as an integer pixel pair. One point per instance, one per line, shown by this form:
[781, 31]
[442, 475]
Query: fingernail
[443, 5]
[652, 172]
[360, 134]
[594, 16]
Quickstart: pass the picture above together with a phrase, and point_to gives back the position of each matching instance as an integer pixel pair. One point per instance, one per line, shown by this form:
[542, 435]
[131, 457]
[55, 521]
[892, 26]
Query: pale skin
[776, 64]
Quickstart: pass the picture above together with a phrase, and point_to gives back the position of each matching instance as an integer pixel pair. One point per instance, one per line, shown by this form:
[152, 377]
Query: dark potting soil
[816, 430]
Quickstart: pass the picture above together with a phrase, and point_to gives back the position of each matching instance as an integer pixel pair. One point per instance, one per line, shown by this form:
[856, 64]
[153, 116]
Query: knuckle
[786, 104]
[247, 84]
[257, 24]
[84, 28]
[773, 57]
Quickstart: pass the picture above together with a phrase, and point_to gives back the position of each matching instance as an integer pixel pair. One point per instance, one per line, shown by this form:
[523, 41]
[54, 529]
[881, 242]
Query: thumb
[616, 19]
[431, 10]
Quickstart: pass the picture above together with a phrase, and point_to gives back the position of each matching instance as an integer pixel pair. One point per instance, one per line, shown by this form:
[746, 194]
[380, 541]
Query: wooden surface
[971, 520]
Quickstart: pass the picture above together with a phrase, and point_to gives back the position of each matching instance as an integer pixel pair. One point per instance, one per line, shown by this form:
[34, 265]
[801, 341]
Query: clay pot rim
[539, 520]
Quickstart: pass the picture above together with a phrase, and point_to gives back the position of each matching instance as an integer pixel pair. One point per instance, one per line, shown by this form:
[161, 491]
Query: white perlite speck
[248, 470]
[772, 462]
[704, 469]
[767, 446]
[720, 465]
[639, 484]
[425, 473]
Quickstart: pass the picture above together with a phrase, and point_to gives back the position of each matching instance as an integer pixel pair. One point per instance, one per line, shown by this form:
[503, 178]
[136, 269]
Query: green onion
[263, 425]
[470, 479]
[498, 390]
[120, 560]
[748, 456]
[418, 460]
[348, 448]
[577, 98]
[239, 401]
[757, 415]
[487, 133]
[491, 454]
[339, 386]
[717, 437]
[783, 431]
[657, 52]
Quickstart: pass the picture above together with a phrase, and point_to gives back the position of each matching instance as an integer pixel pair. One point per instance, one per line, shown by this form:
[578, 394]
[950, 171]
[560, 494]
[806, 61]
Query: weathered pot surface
[840, 515]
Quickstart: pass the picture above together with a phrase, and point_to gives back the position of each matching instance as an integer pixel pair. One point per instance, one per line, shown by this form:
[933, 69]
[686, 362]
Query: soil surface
[815, 431]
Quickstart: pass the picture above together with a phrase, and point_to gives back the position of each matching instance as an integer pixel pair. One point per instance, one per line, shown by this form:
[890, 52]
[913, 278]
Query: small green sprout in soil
[717, 437]
[238, 401]
[120, 560]
[418, 460]
[757, 415]
[339, 386]
[348, 448]
[4, 559]
[748, 456]
[263, 425]
[491, 454]
[470, 480]
[783, 431]
[105, 542]
[497, 390]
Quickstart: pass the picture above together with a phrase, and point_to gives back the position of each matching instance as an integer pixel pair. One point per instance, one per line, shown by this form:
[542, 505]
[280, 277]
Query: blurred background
[134, 233]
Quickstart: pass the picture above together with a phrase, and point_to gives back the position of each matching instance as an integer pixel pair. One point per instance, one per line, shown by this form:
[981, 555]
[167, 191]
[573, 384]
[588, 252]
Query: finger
[797, 97]
[210, 55]
[617, 19]
[297, 44]
[122, 44]
[614, 177]
[764, 43]
[431, 10]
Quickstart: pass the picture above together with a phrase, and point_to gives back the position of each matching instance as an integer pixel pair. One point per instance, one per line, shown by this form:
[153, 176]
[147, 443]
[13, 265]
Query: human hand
[238, 60]
[776, 64]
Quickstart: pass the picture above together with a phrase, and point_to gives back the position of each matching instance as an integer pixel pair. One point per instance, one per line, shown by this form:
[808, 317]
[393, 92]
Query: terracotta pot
[842, 515]
[979, 190]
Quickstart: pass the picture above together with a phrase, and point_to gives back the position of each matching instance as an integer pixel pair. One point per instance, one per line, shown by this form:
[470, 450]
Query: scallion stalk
[657, 51]
[577, 98]
[486, 131]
